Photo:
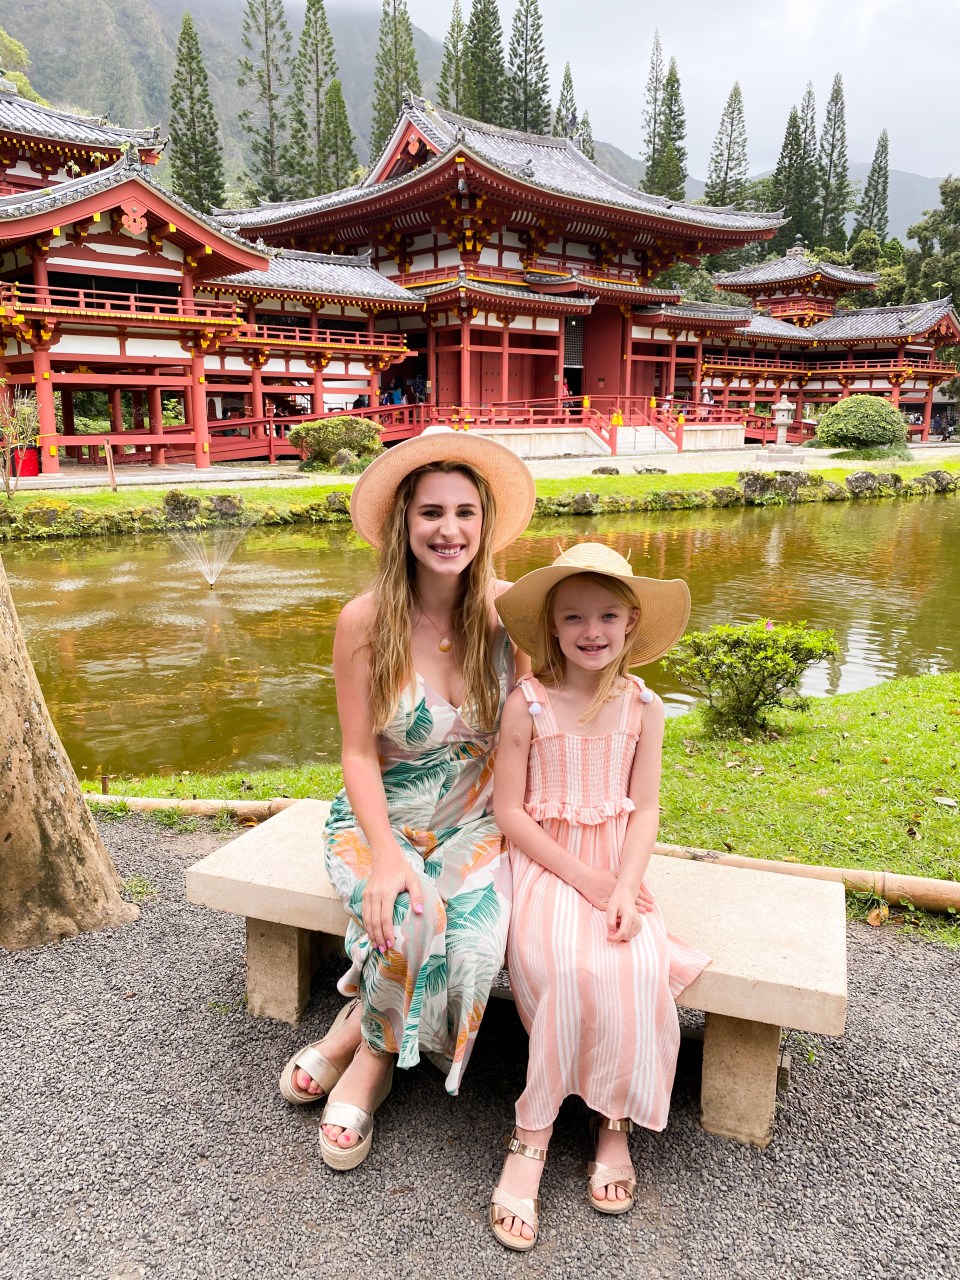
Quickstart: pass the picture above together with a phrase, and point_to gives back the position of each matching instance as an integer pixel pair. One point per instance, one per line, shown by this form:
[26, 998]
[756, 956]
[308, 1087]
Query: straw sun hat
[664, 604]
[507, 475]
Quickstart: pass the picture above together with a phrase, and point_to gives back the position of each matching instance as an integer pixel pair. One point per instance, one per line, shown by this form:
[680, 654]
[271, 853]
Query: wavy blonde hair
[549, 664]
[395, 597]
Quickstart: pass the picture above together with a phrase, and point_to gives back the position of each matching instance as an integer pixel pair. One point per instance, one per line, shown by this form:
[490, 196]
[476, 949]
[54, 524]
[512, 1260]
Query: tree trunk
[56, 877]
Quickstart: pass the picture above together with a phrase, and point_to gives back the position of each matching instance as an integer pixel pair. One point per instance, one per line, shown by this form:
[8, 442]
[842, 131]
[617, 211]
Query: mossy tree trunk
[56, 877]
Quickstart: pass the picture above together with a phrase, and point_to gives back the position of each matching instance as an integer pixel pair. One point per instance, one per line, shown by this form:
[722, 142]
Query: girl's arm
[509, 788]
[628, 899]
[390, 874]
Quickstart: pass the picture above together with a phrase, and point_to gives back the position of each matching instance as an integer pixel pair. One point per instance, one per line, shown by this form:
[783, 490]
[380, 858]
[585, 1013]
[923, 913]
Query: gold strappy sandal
[346, 1116]
[610, 1175]
[504, 1205]
[312, 1061]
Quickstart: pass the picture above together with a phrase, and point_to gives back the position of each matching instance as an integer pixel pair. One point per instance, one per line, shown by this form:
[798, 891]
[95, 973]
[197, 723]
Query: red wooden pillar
[698, 365]
[626, 342]
[465, 388]
[505, 359]
[373, 384]
[198, 415]
[927, 411]
[316, 399]
[561, 359]
[433, 380]
[314, 326]
[116, 410]
[40, 277]
[672, 368]
[46, 410]
[69, 423]
[256, 396]
[155, 425]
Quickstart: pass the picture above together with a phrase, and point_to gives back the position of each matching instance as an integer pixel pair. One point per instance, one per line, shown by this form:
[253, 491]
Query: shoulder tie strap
[538, 705]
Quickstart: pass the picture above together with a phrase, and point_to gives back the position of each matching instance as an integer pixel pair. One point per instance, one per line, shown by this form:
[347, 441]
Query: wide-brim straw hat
[664, 604]
[507, 475]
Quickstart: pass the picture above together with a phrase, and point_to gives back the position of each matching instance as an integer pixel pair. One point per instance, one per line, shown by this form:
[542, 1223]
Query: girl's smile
[591, 624]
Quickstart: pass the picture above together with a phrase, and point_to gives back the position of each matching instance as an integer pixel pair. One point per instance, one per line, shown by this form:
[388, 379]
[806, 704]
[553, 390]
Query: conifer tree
[804, 214]
[450, 89]
[484, 64]
[396, 70]
[653, 113]
[585, 136]
[671, 178]
[565, 117]
[729, 165]
[787, 183]
[339, 154]
[196, 155]
[528, 85]
[265, 68]
[834, 194]
[313, 69]
[669, 174]
[872, 209]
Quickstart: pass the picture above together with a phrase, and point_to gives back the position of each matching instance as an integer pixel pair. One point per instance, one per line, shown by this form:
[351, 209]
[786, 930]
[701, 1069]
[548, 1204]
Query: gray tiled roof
[698, 311]
[882, 322]
[762, 326]
[505, 291]
[320, 273]
[590, 283]
[794, 267]
[18, 115]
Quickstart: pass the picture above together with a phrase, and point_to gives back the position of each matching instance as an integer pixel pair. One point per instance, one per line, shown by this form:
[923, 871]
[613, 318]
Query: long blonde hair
[549, 664]
[395, 597]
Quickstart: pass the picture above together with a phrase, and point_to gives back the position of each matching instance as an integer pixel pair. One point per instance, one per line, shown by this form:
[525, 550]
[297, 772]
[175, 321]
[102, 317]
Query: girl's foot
[612, 1179]
[518, 1189]
[316, 1068]
[361, 1085]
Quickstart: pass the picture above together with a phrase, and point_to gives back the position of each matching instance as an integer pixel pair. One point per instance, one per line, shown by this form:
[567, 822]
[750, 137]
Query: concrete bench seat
[778, 948]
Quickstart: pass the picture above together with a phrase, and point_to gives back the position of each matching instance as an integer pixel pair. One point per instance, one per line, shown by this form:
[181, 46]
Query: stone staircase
[643, 440]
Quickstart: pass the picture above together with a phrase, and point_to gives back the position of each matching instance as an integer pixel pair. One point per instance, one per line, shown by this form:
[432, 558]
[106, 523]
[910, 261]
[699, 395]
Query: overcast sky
[900, 63]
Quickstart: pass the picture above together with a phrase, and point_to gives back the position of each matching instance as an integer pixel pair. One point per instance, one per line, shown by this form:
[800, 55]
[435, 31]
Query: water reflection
[145, 668]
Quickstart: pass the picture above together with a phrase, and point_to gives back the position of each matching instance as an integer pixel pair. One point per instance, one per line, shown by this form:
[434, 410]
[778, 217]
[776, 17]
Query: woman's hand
[624, 918]
[391, 875]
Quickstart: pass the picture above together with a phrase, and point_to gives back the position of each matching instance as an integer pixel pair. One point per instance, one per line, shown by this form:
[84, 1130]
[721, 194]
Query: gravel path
[143, 1135]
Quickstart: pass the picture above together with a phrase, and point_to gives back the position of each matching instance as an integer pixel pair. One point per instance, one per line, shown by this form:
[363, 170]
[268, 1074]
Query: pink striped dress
[601, 1016]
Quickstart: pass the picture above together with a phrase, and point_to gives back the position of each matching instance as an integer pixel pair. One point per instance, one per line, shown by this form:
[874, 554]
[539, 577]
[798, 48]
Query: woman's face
[444, 522]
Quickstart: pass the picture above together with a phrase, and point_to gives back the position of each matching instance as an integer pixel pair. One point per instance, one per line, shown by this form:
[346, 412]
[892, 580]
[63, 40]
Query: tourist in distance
[593, 970]
[422, 667]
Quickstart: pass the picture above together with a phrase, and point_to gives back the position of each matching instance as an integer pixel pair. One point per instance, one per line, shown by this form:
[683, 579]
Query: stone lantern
[783, 418]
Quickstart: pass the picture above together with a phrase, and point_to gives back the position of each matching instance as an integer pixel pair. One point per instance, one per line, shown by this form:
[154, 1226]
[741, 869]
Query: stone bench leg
[739, 1086]
[280, 963]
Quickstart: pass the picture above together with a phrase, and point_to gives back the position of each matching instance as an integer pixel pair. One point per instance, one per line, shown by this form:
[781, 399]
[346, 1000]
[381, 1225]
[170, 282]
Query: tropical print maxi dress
[429, 991]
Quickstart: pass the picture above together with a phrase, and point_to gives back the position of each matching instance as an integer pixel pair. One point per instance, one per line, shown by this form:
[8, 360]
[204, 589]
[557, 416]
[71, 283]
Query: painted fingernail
[418, 909]
[381, 950]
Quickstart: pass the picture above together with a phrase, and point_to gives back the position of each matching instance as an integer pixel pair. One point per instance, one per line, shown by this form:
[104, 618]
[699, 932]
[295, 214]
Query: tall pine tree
[585, 135]
[729, 164]
[668, 175]
[653, 113]
[804, 214]
[872, 209]
[338, 153]
[450, 89]
[787, 183]
[528, 85]
[396, 70]
[486, 71]
[265, 68]
[314, 68]
[565, 117]
[834, 194]
[196, 156]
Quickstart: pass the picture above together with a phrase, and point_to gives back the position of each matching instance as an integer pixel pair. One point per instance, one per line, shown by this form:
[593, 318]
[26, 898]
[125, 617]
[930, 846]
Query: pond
[146, 669]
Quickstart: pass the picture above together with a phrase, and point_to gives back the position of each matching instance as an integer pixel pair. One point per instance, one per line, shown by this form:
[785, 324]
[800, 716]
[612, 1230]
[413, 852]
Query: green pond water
[146, 669]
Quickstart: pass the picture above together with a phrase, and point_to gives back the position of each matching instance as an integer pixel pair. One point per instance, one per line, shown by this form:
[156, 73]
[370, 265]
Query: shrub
[746, 670]
[861, 421]
[322, 439]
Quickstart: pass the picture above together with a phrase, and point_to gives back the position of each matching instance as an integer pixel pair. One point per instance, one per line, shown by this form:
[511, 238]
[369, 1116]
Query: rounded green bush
[861, 421]
[328, 436]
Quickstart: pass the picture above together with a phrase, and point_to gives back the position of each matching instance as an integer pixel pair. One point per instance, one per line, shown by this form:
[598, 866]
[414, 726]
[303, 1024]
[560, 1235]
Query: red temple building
[498, 279]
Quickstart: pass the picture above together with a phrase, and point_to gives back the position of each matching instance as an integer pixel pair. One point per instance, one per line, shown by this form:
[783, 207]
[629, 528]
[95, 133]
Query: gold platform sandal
[504, 1205]
[312, 1061]
[356, 1119]
[610, 1175]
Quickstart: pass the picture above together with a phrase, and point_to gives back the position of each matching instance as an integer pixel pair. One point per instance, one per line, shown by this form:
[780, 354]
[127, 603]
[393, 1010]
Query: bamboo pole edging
[890, 886]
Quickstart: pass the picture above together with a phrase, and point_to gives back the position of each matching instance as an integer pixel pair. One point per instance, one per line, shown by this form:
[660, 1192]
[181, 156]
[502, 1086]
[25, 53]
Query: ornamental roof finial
[797, 249]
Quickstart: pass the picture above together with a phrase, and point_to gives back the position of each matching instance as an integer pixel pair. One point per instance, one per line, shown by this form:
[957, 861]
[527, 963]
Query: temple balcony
[21, 302]
[775, 367]
[303, 338]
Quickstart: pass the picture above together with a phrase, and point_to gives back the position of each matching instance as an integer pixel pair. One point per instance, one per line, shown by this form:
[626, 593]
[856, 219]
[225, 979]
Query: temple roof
[319, 275]
[709, 311]
[794, 268]
[494, 290]
[882, 322]
[762, 326]
[20, 116]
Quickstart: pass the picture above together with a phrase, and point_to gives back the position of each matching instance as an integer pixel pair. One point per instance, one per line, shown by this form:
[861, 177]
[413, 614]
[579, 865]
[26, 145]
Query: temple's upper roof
[793, 268]
[319, 275]
[882, 322]
[701, 311]
[20, 116]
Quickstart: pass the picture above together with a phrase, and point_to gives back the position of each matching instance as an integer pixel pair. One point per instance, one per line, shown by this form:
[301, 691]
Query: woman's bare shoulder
[357, 614]
[500, 585]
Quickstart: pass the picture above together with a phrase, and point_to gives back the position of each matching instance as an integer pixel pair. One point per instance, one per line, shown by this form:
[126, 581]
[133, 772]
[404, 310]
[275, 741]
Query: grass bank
[84, 514]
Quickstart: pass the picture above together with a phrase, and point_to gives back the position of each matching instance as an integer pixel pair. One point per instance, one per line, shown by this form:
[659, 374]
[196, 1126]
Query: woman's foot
[338, 1046]
[520, 1180]
[360, 1086]
[612, 1178]
[313, 1070]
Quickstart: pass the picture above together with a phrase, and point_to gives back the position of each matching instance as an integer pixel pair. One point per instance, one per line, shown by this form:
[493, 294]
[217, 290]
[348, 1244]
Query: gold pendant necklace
[446, 644]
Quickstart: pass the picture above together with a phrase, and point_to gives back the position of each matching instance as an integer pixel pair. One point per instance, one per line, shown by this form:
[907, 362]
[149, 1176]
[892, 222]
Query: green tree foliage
[787, 184]
[528, 84]
[933, 269]
[395, 71]
[321, 440]
[265, 69]
[872, 209]
[15, 62]
[338, 154]
[861, 422]
[314, 68]
[804, 215]
[835, 194]
[729, 163]
[451, 87]
[671, 179]
[565, 116]
[668, 176]
[486, 72]
[653, 113]
[585, 135]
[196, 155]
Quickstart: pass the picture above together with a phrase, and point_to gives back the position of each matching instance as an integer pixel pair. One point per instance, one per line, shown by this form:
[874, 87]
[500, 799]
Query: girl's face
[591, 624]
[444, 522]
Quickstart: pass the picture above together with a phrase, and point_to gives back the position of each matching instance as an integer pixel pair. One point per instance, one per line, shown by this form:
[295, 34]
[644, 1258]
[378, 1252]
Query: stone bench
[778, 948]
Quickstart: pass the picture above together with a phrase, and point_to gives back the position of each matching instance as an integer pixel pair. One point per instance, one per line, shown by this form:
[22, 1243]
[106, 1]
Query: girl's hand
[624, 920]
[644, 900]
[391, 876]
[597, 887]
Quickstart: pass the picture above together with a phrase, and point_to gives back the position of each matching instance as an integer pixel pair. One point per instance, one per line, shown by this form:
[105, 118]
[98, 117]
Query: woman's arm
[509, 789]
[627, 901]
[391, 874]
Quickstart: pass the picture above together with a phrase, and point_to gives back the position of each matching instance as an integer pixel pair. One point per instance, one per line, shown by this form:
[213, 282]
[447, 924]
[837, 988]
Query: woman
[422, 668]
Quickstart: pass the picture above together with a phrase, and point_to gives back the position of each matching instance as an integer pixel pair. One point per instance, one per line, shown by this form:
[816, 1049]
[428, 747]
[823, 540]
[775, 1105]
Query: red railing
[102, 302]
[827, 367]
[298, 336]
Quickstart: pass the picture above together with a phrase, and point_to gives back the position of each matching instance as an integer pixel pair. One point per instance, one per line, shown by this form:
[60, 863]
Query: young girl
[422, 667]
[594, 972]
